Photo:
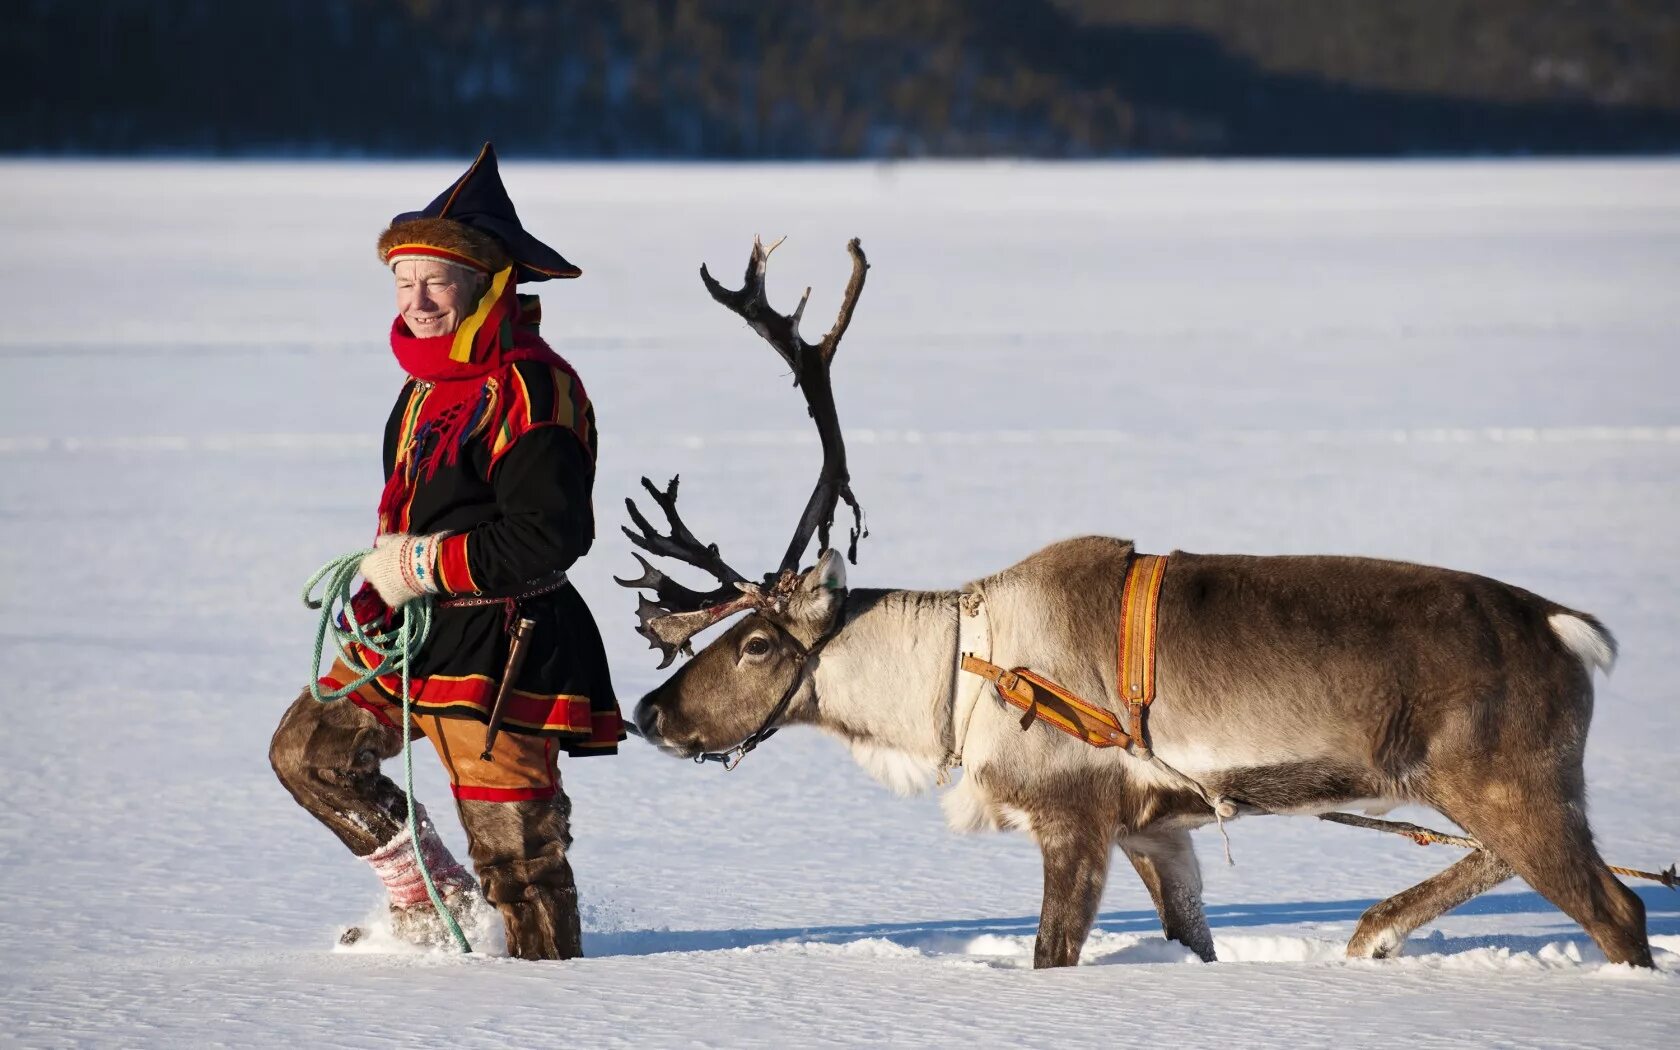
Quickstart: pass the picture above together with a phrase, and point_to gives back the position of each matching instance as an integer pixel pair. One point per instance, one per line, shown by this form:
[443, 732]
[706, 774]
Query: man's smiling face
[434, 296]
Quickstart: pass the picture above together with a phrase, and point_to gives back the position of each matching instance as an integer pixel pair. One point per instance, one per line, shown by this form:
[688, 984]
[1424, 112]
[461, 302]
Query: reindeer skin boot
[519, 849]
[541, 919]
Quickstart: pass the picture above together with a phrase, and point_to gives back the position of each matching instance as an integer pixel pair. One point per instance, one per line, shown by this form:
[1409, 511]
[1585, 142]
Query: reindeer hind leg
[1545, 837]
[1384, 927]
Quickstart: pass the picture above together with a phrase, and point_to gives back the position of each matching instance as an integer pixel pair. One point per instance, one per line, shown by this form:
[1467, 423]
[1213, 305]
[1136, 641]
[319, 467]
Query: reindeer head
[732, 687]
[735, 691]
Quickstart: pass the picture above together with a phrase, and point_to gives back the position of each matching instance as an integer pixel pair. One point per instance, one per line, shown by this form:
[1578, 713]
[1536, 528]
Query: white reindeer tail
[1588, 639]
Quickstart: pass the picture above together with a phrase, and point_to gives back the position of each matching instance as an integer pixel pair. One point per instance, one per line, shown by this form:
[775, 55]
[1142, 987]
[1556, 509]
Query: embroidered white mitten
[402, 567]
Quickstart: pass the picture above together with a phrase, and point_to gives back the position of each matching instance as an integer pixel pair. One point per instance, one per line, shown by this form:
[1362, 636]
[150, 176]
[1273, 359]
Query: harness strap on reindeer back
[1040, 697]
[1140, 605]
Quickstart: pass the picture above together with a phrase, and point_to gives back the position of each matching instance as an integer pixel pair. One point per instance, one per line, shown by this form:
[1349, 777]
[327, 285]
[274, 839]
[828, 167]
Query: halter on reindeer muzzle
[675, 614]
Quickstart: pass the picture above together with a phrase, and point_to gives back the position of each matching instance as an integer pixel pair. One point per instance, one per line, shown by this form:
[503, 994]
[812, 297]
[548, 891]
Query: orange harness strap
[1039, 697]
[1140, 606]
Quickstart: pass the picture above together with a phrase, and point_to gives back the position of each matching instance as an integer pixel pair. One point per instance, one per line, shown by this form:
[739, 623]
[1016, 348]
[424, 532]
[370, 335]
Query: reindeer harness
[1057, 705]
[1042, 698]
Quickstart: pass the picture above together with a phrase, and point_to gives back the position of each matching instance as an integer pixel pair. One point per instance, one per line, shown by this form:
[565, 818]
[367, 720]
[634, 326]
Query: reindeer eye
[757, 646]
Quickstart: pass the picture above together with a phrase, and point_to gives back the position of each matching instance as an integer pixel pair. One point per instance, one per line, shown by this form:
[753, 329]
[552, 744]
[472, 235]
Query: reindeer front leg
[1166, 862]
[1076, 854]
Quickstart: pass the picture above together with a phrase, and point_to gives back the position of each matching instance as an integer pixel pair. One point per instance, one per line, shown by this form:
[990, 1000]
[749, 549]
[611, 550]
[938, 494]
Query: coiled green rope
[395, 650]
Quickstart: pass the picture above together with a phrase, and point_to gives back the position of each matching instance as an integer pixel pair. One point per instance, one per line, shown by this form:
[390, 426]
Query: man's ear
[829, 574]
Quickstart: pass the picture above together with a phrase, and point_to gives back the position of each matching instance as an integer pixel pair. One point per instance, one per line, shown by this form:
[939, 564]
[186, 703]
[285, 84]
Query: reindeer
[1285, 685]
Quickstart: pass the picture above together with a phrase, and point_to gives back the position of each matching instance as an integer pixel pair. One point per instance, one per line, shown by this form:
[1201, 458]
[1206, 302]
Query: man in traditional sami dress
[489, 464]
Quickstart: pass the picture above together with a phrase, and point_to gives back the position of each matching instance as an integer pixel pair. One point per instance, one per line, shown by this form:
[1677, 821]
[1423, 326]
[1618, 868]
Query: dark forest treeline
[842, 78]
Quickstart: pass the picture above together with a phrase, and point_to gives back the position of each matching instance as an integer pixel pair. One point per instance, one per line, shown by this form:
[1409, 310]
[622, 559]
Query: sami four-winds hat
[473, 223]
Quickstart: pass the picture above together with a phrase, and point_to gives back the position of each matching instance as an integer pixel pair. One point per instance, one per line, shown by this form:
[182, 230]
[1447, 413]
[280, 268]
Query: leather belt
[510, 604]
[474, 601]
[1140, 605]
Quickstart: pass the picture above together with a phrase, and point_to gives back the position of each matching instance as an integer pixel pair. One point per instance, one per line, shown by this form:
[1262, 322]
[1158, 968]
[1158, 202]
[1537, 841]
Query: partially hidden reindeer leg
[1076, 857]
[1166, 862]
[1384, 927]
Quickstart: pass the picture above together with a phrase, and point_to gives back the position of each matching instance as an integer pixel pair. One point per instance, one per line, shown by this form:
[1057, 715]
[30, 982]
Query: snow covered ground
[1467, 364]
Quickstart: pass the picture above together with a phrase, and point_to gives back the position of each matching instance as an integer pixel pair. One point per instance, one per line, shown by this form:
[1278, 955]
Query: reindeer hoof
[1377, 943]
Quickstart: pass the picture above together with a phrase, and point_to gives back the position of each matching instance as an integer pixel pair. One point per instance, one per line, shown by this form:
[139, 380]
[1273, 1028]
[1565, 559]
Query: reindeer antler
[810, 366]
[677, 613]
[680, 544]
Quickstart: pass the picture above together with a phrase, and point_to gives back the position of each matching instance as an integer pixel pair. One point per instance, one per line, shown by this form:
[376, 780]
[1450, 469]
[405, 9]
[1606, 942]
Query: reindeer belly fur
[1010, 774]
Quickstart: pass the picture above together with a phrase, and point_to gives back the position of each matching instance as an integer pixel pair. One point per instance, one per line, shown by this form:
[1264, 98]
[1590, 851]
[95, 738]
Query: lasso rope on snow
[395, 651]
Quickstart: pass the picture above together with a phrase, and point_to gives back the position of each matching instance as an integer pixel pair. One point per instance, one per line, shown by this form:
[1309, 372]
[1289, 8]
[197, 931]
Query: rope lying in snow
[1423, 836]
[394, 652]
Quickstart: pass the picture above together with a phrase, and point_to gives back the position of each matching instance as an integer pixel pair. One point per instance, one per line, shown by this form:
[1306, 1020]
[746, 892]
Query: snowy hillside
[1464, 364]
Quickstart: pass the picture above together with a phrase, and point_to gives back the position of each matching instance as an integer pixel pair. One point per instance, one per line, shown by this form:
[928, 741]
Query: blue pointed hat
[473, 223]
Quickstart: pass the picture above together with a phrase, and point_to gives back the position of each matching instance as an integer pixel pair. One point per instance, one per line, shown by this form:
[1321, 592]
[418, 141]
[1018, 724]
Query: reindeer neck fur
[883, 684]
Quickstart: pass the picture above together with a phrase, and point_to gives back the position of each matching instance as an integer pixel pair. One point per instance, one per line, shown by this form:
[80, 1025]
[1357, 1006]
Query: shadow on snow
[1662, 917]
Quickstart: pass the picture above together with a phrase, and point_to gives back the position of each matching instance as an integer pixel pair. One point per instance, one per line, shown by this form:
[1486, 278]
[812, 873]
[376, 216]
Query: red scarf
[498, 333]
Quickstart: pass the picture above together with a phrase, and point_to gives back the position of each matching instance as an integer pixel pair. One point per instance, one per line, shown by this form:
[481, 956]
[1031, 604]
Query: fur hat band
[445, 240]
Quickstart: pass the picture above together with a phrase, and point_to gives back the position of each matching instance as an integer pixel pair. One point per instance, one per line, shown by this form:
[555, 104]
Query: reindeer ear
[829, 574]
[820, 594]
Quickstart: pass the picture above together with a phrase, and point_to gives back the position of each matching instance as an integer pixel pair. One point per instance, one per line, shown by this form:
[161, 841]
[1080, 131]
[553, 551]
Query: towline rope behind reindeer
[395, 651]
[1669, 876]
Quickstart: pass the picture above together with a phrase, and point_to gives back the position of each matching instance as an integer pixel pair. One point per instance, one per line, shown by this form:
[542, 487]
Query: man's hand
[402, 567]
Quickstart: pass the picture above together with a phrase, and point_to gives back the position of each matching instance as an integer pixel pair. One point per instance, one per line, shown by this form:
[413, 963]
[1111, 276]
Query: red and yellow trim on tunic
[520, 768]
[474, 695]
[571, 409]
[608, 730]
[404, 458]
[454, 571]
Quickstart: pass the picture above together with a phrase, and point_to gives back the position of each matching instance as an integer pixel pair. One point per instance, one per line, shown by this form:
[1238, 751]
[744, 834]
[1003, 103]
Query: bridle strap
[767, 729]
